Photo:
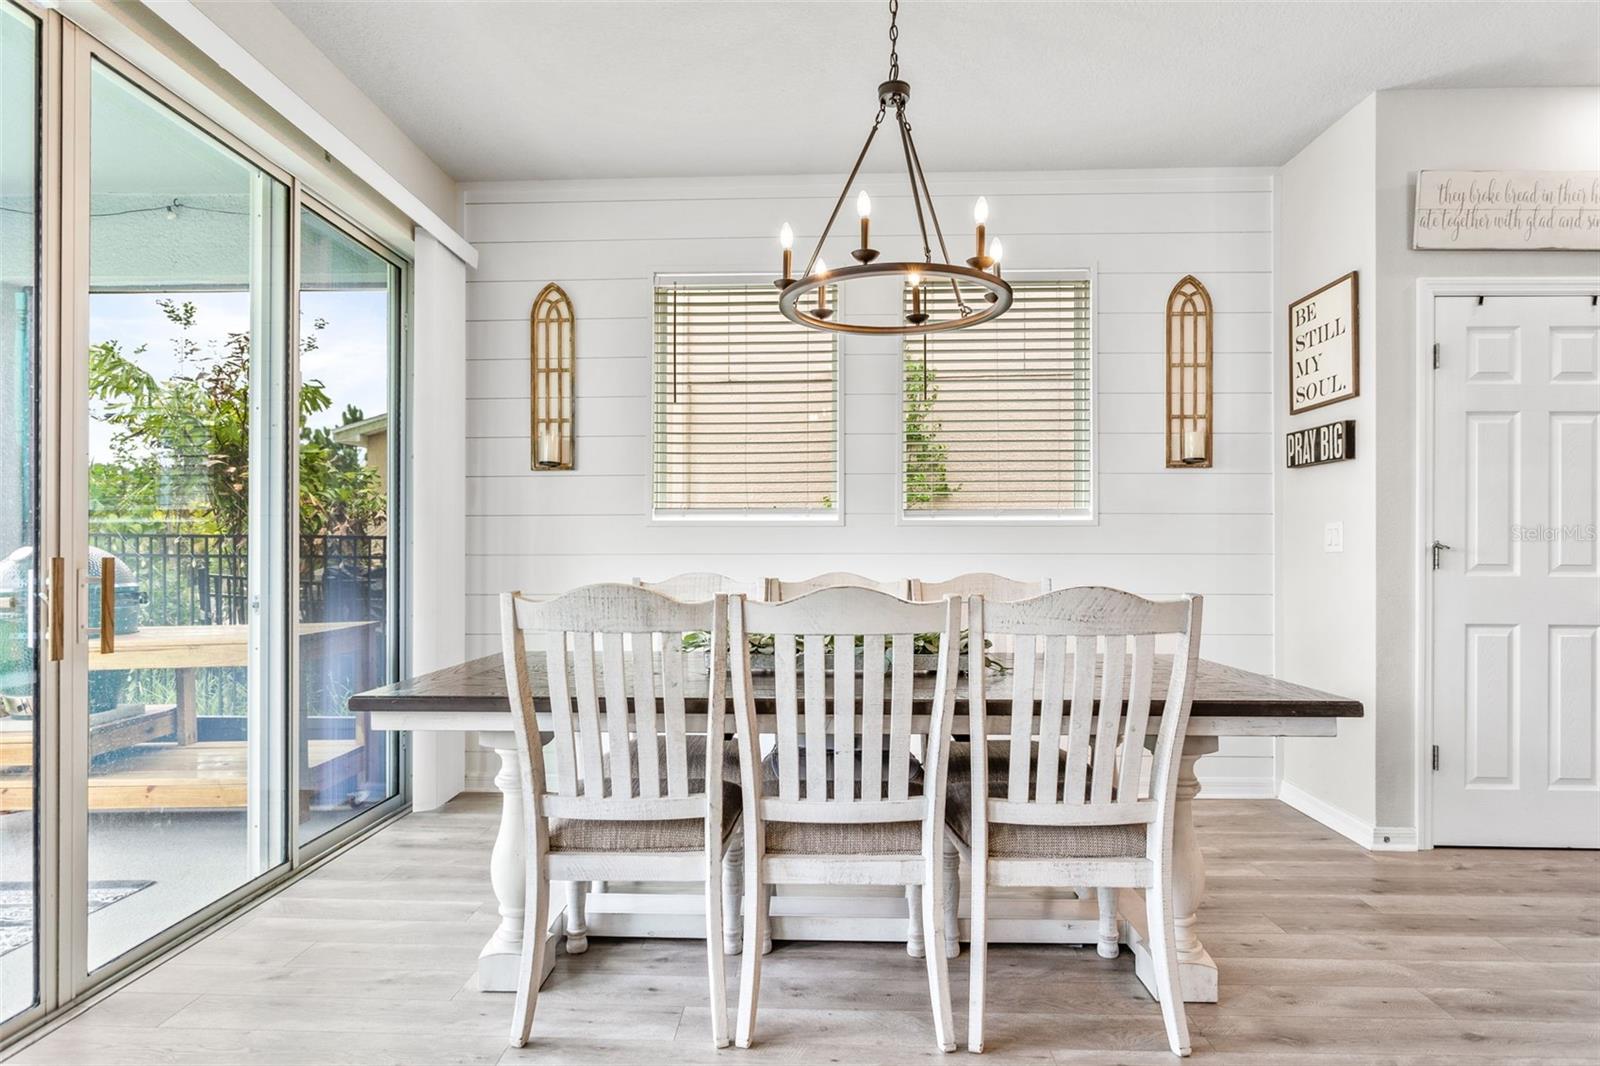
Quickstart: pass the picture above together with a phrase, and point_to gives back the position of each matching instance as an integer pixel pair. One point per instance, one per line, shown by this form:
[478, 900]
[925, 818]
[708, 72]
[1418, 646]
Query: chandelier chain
[894, 40]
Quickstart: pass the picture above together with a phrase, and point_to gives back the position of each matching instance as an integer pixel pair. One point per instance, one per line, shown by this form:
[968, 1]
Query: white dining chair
[627, 799]
[703, 586]
[779, 590]
[840, 799]
[989, 586]
[994, 587]
[1034, 814]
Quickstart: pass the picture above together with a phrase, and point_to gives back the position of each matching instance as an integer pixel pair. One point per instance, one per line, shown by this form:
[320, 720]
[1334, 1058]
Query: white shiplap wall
[1159, 532]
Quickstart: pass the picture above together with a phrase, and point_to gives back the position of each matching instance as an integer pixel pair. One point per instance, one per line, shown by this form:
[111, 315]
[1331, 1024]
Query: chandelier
[980, 292]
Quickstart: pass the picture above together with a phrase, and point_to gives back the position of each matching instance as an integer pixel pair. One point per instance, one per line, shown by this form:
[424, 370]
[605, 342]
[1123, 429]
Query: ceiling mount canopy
[980, 292]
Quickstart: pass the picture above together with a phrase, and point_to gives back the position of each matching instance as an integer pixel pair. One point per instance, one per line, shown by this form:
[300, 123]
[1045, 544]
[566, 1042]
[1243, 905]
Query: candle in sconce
[1194, 446]
[548, 452]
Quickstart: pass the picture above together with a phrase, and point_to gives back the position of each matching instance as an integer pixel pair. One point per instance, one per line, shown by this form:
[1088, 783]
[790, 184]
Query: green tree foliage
[926, 456]
[180, 448]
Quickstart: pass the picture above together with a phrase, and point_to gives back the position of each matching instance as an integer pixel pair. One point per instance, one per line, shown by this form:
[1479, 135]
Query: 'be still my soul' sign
[1323, 355]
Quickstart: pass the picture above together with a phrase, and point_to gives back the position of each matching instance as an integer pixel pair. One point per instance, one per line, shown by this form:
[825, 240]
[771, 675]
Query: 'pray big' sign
[1323, 351]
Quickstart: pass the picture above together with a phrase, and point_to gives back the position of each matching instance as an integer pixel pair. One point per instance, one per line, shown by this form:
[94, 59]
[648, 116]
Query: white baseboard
[1234, 788]
[1341, 821]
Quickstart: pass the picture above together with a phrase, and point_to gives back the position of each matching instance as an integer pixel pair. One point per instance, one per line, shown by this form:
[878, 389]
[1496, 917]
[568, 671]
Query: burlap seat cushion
[678, 834]
[841, 838]
[1007, 841]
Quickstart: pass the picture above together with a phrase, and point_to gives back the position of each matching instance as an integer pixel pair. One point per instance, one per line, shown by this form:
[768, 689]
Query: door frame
[1428, 290]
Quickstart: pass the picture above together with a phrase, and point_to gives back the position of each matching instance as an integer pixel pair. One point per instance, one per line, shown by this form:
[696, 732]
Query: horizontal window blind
[996, 417]
[745, 404]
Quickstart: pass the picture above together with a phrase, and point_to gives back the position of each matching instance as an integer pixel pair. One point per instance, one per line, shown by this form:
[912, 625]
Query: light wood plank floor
[1328, 956]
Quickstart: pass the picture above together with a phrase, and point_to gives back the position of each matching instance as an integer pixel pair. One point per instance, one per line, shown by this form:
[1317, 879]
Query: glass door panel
[349, 344]
[186, 778]
[21, 573]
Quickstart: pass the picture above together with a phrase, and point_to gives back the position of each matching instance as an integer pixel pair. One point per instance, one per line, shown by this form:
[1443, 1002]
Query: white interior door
[1516, 596]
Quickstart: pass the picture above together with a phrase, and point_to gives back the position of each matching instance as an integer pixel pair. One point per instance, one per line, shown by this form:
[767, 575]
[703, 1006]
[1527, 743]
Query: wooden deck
[207, 776]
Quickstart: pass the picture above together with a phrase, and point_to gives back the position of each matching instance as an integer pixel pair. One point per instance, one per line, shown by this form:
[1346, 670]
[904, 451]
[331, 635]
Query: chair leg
[938, 965]
[714, 952]
[1164, 952]
[766, 921]
[914, 942]
[1109, 945]
[755, 920]
[534, 934]
[577, 919]
[979, 962]
[952, 899]
[732, 889]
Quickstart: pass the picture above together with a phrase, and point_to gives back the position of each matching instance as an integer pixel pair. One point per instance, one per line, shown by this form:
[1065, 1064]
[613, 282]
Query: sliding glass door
[186, 779]
[200, 368]
[350, 301]
[21, 571]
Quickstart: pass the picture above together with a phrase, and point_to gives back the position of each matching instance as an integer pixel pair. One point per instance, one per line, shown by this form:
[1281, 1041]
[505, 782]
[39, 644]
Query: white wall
[1478, 129]
[1326, 602]
[1160, 532]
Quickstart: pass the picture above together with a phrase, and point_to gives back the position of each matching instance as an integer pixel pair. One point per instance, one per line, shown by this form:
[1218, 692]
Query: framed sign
[1324, 355]
[1507, 209]
[1315, 445]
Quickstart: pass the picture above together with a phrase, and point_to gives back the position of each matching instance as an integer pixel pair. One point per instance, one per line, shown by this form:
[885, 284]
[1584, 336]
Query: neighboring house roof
[355, 433]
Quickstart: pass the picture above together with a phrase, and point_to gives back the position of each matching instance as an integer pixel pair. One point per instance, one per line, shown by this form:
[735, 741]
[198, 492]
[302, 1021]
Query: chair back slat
[672, 681]
[618, 720]
[1074, 789]
[591, 751]
[873, 651]
[900, 690]
[1052, 706]
[1104, 761]
[783, 675]
[992, 587]
[816, 716]
[614, 680]
[646, 722]
[1144, 659]
[1022, 674]
[844, 716]
[1098, 783]
[561, 696]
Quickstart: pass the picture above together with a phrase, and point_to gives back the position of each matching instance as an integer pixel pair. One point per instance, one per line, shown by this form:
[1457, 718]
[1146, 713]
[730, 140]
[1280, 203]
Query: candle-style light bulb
[980, 215]
[786, 242]
[821, 267]
[916, 317]
[864, 253]
[996, 251]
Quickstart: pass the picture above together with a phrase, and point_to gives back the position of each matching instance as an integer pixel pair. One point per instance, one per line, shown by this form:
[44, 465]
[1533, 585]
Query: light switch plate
[1333, 537]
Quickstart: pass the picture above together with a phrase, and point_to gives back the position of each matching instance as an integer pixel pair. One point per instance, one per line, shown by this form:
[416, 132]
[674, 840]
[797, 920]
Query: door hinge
[1438, 548]
[1436, 355]
[1436, 758]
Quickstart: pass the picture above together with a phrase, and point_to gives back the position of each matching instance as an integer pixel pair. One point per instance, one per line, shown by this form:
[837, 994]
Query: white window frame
[731, 517]
[1091, 516]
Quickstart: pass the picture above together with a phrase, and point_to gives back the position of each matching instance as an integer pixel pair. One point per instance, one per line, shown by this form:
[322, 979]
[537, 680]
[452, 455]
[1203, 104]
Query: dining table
[1227, 702]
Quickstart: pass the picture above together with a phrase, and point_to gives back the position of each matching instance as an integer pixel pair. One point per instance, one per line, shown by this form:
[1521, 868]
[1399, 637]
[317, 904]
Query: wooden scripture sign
[1324, 355]
[1315, 445]
[1507, 209]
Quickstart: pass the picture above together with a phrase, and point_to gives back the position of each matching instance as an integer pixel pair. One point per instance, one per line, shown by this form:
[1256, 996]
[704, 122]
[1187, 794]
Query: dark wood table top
[479, 687]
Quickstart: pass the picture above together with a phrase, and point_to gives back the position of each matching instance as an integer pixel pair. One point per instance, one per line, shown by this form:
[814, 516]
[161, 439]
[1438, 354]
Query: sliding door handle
[57, 598]
[108, 605]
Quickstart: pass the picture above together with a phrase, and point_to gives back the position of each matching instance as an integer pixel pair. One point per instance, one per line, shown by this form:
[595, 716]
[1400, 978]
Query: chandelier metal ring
[790, 305]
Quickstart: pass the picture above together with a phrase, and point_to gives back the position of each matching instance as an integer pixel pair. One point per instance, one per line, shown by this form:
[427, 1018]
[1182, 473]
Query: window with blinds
[745, 405]
[996, 419]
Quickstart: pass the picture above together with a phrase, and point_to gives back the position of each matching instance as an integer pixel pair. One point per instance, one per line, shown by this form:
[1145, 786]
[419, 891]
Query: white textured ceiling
[609, 89]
